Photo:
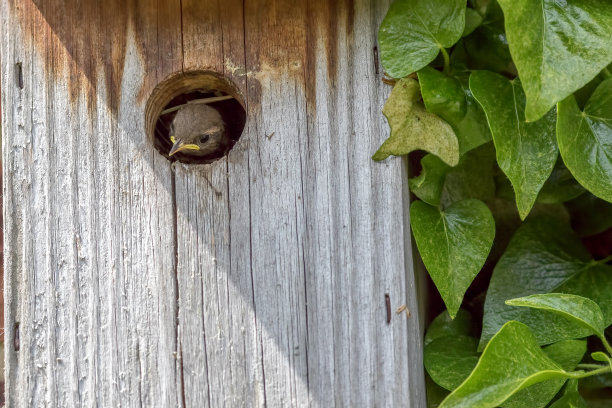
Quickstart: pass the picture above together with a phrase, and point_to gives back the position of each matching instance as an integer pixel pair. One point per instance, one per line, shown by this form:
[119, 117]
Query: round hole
[195, 117]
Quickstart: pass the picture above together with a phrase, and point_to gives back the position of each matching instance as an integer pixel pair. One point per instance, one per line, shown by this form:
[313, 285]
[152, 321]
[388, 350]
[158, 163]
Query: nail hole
[16, 344]
[388, 307]
[376, 68]
[19, 75]
[203, 109]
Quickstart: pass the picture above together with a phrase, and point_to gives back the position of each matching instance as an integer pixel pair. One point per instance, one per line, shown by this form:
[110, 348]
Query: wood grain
[258, 280]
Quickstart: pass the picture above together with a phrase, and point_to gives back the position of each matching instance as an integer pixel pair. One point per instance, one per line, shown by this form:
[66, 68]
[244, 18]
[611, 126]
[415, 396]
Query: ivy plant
[505, 110]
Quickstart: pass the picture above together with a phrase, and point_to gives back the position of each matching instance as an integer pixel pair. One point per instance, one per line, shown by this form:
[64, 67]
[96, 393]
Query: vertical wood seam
[250, 195]
[178, 337]
[179, 342]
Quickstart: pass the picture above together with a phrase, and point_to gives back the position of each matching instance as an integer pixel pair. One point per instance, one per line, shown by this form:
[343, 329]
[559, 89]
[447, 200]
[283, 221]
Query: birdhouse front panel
[267, 273]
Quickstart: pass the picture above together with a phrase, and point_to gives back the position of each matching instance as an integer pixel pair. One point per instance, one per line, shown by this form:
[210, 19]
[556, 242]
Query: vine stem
[446, 60]
[605, 260]
[601, 370]
[606, 345]
[585, 366]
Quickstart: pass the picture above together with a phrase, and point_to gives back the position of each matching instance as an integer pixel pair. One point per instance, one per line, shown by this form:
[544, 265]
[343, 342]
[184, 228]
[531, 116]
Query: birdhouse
[266, 272]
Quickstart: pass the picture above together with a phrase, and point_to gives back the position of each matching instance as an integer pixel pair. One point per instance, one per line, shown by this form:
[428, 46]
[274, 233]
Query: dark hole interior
[231, 111]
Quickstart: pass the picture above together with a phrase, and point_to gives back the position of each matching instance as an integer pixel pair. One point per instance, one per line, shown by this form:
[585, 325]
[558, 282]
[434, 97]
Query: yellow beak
[180, 145]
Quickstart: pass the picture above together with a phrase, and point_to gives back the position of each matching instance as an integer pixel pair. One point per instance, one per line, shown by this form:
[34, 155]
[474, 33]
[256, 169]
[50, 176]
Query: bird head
[197, 130]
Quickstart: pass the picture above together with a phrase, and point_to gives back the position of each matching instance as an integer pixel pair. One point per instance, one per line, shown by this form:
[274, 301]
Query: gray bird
[198, 130]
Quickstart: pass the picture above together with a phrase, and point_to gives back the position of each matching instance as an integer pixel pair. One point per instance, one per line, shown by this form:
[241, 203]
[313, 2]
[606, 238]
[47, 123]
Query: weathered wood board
[258, 280]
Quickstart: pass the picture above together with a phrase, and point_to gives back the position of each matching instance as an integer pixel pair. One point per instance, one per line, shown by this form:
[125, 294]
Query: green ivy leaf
[472, 20]
[583, 311]
[601, 356]
[429, 184]
[544, 256]
[511, 362]
[490, 9]
[443, 325]
[450, 356]
[567, 354]
[459, 59]
[442, 94]
[435, 393]
[594, 282]
[449, 363]
[449, 360]
[585, 140]
[413, 128]
[507, 221]
[487, 47]
[571, 398]
[454, 245]
[560, 187]
[414, 31]
[471, 178]
[447, 97]
[526, 152]
[557, 47]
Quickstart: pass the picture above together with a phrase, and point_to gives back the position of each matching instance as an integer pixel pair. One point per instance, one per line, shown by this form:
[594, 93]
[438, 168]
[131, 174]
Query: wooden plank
[218, 347]
[89, 219]
[257, 280]
[293, 233]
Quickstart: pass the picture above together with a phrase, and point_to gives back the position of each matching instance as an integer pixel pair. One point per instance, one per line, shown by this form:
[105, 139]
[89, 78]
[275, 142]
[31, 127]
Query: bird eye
[204, 139]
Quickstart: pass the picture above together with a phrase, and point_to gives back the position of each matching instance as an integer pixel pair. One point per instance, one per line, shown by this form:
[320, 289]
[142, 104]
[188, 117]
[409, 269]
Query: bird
[198, 130]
